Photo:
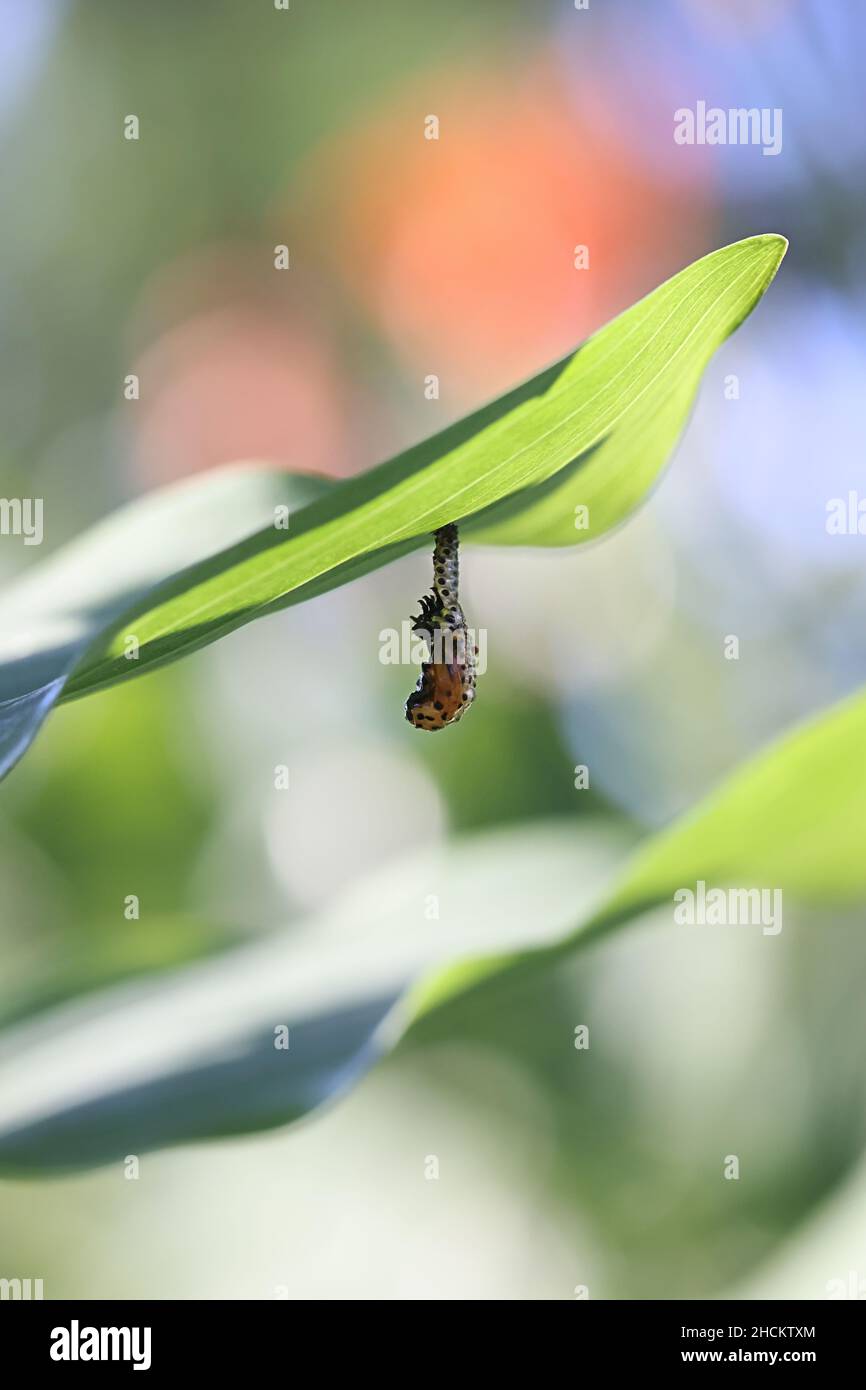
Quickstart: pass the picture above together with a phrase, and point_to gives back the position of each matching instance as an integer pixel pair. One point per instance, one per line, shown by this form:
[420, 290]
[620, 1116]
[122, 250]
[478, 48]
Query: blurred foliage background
[454, 257]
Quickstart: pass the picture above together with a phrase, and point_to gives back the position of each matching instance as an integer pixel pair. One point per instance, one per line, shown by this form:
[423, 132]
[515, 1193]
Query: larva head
[441, 697]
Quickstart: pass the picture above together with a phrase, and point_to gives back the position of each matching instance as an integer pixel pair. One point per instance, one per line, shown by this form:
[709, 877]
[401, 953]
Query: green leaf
[595, 427]
[791, 818]
[183, 1059]
[50, 617]
[192, 1053]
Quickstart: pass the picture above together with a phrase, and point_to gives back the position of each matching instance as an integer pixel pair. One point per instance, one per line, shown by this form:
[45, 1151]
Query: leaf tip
[777, 245]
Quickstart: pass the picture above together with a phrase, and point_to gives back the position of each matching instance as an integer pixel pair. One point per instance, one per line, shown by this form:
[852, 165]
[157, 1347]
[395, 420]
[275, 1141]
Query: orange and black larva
[446, 686]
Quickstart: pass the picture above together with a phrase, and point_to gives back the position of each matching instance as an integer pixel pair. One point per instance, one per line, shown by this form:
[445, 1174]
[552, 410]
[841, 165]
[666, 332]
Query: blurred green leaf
[194, 1056]
[791, 818]
[50, 617]
[593, 429]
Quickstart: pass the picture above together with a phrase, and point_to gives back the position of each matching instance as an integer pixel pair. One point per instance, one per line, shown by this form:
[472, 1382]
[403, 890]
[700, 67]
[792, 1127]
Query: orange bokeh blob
[238, 368]
[231, 386]
[463, 247]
